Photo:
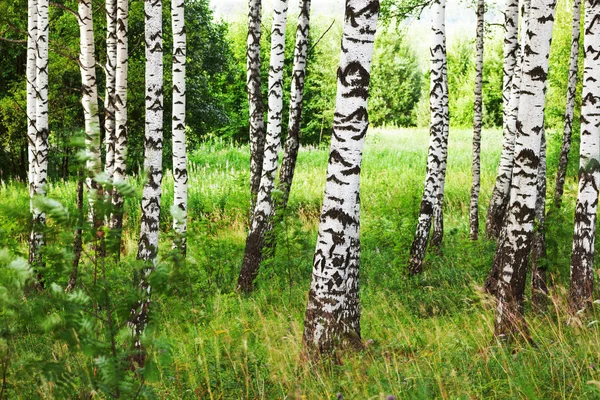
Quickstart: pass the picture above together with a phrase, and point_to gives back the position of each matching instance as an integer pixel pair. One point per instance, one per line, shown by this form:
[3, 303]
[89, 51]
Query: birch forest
[299, 199]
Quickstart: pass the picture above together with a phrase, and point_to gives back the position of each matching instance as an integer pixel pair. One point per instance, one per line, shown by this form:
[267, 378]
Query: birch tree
[582, 258]
[570, 107]
[120, 103]
[332, 314]
[477, 119]
[514, 245]
[153, 143]
[263, 211]
[180, 174]
[109, 96]
[255, 102]
[292, 142]
[539, 289]
[31, 97]
[40, 154]
[438, 140]
[499, 199]
[89, 100]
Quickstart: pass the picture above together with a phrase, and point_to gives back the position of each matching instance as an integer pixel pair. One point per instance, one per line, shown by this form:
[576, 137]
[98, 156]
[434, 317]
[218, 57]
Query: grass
[428, 336]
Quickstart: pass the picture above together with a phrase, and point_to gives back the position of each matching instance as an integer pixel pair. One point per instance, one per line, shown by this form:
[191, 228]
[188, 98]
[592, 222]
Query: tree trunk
[255, 102]
[582, 258]
[292, 142]
[514, 246]
[41, 138]
[77, 240]
[31, 96]
[180, 173]
[570, 107]
[477, 119]
[109, 97]
[120, 160]
[87, 67]
[499, 199]
[263, 211]
[153, 144]
[332, 314]
[491, 282]
[438, 141]
[539, 287]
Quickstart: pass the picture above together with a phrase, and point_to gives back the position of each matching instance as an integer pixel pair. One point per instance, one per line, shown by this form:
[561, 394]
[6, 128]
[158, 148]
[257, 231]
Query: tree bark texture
[109, 96]
[292, 142]
[436, 158]
[582, 258]
[570, 107]
[255, 102]
[31, 95]
[180, 173]
[499, 199]
[263, 211]
[477, 120]
[538, 253]
[153, 144]
[120, 103]
[332, 317]
[514, 245]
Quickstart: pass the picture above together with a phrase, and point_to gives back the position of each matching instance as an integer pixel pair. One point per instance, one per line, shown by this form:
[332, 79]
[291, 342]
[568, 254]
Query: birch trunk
[153, 144]
[109, 96]
[263, 211]
[582, 258]
[477, 119]
[332, 314]
[514, 247]
[41, 137]
[292, 142]
[180, 173]
[570, 107]
[255, 102]
[539, 288]
[31, 95]
[499, 199]
[438, 140]
[89, 100]
[120, 102]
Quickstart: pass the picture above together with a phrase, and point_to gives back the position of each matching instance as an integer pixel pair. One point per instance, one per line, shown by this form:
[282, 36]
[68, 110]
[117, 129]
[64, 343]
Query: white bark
[333, 314]
[89, 100]
[180, 174]
[436, 158]
[514, 246]
[570, 107]
[109, 96]
[120, 102]
[582, 259]
[31, 94]
[263, 210]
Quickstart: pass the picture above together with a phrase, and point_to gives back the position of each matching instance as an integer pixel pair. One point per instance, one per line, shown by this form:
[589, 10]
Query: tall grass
[427, 336]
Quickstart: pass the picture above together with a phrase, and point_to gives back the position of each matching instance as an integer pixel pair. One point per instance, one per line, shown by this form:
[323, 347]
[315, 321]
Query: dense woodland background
[426, 336]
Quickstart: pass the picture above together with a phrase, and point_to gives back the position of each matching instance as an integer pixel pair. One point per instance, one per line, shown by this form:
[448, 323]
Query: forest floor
[428, 336]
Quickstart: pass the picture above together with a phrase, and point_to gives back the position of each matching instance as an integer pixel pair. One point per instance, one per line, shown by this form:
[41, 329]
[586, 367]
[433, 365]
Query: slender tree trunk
[538, 269]
[292, 142]
[515, 242]
[582, 258]
[332, 314]
[31, 97]
[499, 199]
[41, 138]
[180, 173]
[436, 158]
[570, 107]
[87, 67]
[153, 144]
[109, 96]
[477, 119]
[120, 103]
[255, 102]
[77, 240]
[491, 282]
[263, 211]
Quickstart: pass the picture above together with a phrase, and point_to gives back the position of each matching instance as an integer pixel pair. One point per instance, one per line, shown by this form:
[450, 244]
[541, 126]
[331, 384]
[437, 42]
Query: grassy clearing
[429, 336]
